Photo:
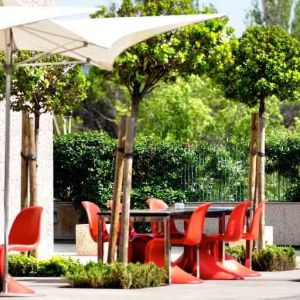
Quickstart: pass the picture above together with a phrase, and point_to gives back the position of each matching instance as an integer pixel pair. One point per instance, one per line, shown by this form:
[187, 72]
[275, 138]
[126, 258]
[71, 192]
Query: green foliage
[84, 168]
[117, 276]
[266, 63]
[29, 266]
[193, 49]
[272, 258]
[42, 89]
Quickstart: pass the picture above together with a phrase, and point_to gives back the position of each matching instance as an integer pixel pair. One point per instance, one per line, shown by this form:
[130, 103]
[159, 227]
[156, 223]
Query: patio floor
[271, 285]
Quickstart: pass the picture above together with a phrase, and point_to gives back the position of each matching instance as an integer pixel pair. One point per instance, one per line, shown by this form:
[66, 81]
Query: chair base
[234, 266]
[15, 288]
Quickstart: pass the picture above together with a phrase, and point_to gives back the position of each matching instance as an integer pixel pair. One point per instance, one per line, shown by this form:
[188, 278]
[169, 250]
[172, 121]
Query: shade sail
[98, 41]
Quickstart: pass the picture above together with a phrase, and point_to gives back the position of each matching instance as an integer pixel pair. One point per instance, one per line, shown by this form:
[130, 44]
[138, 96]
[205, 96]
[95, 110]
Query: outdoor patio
[271, 285]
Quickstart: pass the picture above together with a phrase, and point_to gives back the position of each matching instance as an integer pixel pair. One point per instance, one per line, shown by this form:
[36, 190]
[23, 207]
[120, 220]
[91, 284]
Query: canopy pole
[8, 71]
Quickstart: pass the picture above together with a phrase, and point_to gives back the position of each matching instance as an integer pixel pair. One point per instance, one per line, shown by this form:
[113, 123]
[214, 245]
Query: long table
[164, 216]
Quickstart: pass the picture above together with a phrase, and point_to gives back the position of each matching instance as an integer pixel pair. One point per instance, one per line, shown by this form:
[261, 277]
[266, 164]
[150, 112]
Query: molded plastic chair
[209, 250]
[92, 215]
[192, 237]
[24, 235]
[156, 228]
[250, 235]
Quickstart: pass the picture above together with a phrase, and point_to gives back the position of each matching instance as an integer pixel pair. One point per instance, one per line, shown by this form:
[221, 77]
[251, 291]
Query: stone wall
[45, 175]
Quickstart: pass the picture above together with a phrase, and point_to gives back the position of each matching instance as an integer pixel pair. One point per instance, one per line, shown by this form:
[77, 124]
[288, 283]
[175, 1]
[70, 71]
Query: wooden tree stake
[32, 161]
[118, 180]
[24, 161]
[261, 177]
[127, 179]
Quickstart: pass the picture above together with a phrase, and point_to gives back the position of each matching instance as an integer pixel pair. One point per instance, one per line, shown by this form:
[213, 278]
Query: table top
[173, 212]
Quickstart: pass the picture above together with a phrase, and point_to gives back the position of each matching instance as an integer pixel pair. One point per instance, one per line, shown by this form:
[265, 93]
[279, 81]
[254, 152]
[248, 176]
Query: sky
[234, 9]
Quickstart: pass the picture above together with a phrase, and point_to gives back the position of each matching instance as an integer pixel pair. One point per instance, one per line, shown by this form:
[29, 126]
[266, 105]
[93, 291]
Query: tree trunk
[32, 161]
[261, 171]
[252, 160]
[119, 166]
[24, 161]
[56, 125]
[124, 237]
[135, 105]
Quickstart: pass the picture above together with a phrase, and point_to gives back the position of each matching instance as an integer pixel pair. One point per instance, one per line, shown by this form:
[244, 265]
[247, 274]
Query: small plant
[117, 275]
[29, 266]
[272, 258]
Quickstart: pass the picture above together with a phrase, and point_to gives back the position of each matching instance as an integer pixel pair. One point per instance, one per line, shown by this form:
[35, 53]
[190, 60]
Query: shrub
[29, 266]
[116, 275]
[272, 258]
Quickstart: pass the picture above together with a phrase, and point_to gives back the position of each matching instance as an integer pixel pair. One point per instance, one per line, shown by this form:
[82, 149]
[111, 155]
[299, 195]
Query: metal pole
[8, 71]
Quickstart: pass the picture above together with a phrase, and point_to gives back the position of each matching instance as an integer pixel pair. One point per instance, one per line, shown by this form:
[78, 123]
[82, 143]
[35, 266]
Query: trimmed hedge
[116, 276]
[84, 169]
[272, 258]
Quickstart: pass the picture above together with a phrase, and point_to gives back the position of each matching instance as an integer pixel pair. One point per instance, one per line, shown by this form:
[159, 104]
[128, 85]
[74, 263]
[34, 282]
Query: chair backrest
[92, 210]
[253, 231]
[156, 204]
[235, 225]
[195, 227]
[26, 229]
[109, 204]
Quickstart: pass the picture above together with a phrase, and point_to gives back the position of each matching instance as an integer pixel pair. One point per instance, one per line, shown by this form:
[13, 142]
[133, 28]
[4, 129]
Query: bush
[272, 258]
[29, 266]
[117, 275]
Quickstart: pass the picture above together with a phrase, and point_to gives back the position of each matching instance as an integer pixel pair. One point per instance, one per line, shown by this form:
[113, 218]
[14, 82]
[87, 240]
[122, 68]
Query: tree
[265, 64]
[275, 12]
[39, 90]
[194, 49]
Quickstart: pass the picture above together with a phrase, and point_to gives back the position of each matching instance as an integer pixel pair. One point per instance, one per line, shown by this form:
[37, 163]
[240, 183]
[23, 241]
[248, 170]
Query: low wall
[283, 216]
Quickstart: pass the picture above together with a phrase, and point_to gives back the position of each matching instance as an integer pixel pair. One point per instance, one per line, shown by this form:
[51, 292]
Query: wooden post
[252, 160]
[56, 125]
[24, 161]
[127, 179]
[261, 176]
[119, 166]
[32, 161]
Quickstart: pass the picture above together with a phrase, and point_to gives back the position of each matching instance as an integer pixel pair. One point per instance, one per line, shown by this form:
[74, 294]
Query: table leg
[248, 259]
[167, 247]
[100, 239]
[222, 221]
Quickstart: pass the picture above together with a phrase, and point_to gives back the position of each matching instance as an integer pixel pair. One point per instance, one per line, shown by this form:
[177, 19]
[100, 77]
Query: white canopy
[98, 41]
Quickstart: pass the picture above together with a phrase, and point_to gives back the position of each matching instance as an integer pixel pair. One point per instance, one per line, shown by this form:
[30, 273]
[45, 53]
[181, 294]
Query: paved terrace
[271, 285]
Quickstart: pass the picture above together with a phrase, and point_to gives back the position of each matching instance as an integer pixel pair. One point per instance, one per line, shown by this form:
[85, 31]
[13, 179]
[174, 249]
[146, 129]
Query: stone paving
[271, 285]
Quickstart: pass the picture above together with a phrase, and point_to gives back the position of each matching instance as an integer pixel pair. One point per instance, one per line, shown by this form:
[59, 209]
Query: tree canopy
[193, 49]
[266, 63]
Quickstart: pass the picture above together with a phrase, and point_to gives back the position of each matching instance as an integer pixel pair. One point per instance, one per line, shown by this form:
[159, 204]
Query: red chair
[209, 248]
[92, 215]
[192, 238]
[156, 228]
[251, 234]
[24, 236]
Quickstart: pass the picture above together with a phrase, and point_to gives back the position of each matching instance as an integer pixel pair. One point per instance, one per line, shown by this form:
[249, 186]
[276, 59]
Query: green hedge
[272, 258]
[84, 169]
[116, 275]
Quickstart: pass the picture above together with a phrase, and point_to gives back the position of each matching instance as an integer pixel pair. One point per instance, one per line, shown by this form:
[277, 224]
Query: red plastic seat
[157, 228]
[24, 236]
[209, 250]
[92, 215]
[251, 234]
[235, 225]
[192, 237]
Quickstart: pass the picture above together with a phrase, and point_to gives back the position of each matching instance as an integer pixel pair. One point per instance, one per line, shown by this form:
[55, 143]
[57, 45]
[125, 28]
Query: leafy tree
[105, 102]
[194, 109]
[275, 12]
[194, 49]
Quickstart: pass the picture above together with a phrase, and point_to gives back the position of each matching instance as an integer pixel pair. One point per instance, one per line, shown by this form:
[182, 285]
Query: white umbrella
[97, 41]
